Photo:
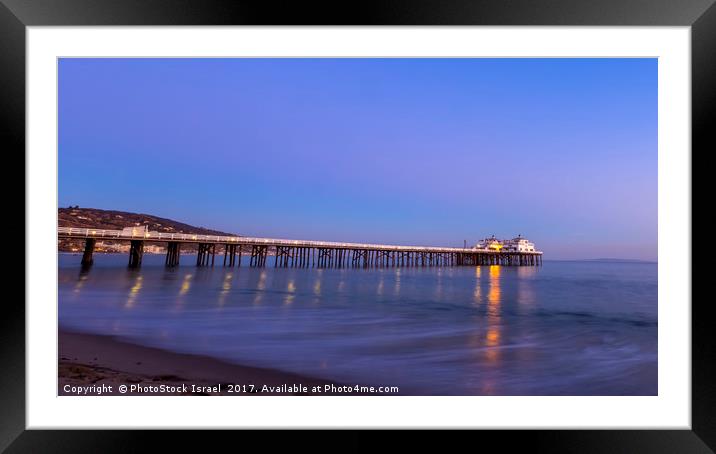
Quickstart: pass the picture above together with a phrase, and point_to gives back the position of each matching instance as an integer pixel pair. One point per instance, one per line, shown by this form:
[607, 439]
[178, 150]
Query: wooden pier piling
[230, 254]
[173, 253]
[258, 255]
[206, 253]
[87, 258]
[136, 251]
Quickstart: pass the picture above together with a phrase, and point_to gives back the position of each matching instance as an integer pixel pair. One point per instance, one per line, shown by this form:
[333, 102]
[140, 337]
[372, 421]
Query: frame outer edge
[703, 144]
[12, 128]
[365, 12]
[12, 138]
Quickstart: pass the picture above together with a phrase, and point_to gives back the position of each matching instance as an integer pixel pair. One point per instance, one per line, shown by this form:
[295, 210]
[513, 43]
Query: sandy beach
[92, 364]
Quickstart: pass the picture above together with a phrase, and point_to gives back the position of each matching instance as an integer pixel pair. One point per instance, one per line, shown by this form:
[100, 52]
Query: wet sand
[92, 364]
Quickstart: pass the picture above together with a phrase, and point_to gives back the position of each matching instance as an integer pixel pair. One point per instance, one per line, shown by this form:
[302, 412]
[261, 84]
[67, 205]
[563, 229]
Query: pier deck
[297, 253]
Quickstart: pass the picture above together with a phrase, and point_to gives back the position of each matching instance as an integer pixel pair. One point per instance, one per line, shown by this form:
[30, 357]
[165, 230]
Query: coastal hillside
[117, 220]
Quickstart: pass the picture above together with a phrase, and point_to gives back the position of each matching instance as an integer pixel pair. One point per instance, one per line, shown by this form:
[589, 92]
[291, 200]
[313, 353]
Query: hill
[117, 220]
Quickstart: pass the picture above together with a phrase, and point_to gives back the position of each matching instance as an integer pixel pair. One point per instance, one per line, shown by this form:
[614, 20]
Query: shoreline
[92, 364]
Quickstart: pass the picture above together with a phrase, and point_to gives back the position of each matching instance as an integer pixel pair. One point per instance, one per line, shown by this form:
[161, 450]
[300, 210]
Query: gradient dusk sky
[402, 151]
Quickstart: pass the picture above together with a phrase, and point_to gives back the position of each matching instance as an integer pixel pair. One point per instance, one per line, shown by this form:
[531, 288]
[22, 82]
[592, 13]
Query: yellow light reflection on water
[439, 285]
[227, 283]
[317, 287]
[477, 294]
[396, 290]
[133, 292]
[260, 288]
[317, 284]
[493, 336]
[494, 294]
[80, 283]
[291, 289]
[185, 285]
[225, 288]
[486, 340]
[262, 281]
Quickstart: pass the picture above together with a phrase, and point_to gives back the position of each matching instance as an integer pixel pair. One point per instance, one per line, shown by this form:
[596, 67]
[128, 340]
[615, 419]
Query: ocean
[565, 328]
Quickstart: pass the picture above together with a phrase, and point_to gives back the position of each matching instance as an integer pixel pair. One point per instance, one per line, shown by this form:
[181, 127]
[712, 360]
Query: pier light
[94, 232]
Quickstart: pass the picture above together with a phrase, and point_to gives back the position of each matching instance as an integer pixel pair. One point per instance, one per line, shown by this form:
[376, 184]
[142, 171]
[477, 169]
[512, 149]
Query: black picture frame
[700, 15]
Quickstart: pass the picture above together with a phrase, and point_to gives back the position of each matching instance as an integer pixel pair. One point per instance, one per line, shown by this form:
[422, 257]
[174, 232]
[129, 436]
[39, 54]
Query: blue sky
[405, 151]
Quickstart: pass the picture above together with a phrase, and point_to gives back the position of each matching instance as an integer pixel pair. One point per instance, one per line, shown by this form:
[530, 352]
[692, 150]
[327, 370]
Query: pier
[296, 253]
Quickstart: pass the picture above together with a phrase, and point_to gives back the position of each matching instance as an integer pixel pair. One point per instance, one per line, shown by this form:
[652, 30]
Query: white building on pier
[490, 244]
[518, 244]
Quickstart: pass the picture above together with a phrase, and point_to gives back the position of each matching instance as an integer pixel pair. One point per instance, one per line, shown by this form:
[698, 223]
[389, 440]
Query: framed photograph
[432, 215]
